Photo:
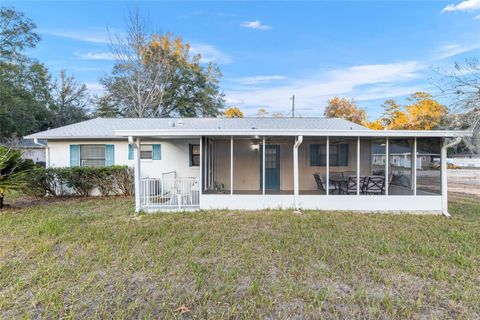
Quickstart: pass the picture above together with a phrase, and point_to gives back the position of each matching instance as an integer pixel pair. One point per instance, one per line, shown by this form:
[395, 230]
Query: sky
[268, 51]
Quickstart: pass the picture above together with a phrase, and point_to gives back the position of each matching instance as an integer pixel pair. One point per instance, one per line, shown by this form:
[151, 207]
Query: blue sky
[267, 51]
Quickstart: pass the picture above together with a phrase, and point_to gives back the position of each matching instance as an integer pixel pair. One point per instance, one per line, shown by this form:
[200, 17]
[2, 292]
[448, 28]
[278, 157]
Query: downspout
[297, 144]
[443, 161]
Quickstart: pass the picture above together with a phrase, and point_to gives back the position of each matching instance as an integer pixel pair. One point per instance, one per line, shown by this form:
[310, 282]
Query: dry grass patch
[92, 259]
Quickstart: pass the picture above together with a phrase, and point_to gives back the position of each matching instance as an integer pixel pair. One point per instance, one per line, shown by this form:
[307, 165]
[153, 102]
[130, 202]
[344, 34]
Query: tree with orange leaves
[345, 109]
[233, 112]
[156, 75]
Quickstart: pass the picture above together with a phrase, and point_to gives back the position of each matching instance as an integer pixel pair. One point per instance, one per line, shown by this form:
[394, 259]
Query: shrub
[125, 180]
[13, 171]
[81, 180]
[44, 181]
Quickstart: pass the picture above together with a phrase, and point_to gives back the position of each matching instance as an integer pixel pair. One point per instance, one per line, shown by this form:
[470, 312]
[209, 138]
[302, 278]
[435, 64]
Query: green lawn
[93, 259]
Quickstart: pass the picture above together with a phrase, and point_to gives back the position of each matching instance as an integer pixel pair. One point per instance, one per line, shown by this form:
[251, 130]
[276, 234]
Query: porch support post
[358, 166]
[201, 166]
[386, 165]
[231, 164]
[137, 172]
[443, 166]
[263, 165]
[414, 167]
[327, 167]
[298, 142]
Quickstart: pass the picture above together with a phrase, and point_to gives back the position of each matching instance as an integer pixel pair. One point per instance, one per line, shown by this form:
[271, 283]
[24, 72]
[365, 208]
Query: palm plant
[13, 171]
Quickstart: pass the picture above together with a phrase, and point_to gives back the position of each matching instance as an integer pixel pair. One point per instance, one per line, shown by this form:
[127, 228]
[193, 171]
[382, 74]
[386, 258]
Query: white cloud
[477, 17]
[453, 49]
[96, 36]
[209, 53]
[312, 93]
[467, 5]
[233, 101]
[258, 79]
[255, 25]
[96, 56]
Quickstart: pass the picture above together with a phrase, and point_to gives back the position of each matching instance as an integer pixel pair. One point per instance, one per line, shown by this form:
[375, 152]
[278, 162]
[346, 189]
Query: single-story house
[34, 150]
[258, 163]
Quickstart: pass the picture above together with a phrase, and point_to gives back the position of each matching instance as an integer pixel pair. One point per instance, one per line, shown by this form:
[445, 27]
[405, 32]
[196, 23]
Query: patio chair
[350, 186]
[375, 185]
[347, 174]
[320, 184]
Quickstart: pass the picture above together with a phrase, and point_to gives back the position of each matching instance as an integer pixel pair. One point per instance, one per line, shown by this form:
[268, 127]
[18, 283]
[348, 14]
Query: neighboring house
[257, 163]
[465, 160]
[34, 150]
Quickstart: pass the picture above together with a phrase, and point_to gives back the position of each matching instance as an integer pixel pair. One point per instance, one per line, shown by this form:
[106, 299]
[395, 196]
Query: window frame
[194, 159]
[151, 151]
[82, 159]
[334, 155]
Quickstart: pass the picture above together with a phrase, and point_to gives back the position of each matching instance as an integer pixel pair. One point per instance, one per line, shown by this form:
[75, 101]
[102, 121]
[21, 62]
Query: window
[146, 151]
[338, 155]
[194, 155]
[92, 155]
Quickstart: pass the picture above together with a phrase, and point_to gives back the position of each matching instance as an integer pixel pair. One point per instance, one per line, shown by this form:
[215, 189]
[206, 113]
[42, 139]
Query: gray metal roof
[104, 127]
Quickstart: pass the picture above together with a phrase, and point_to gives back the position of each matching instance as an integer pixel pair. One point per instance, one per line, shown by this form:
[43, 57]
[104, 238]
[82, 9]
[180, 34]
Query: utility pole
[293, 106]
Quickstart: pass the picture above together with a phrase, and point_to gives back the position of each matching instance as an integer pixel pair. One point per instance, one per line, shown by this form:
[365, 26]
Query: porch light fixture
[256, 143]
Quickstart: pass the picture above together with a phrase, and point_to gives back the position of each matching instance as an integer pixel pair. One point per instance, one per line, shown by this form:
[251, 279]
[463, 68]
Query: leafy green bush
[81, 180]
[43, 182]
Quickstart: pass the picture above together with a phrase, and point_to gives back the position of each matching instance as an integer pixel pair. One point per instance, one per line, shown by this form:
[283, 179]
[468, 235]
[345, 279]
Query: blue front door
[272, 167]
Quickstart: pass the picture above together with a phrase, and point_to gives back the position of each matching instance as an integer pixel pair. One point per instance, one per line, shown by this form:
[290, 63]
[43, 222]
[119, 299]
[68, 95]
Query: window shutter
[343, 155]
[74, 155]
[109, 155]
[130, 152]
[190, 151]
[156, 152]
[314, 155]
[322, 155]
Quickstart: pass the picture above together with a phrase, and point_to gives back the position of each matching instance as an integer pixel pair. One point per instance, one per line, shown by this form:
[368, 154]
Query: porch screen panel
[312, 161]
[343, 166]
[400, 167]
[372, 166]
[428, 166]
[92, 155]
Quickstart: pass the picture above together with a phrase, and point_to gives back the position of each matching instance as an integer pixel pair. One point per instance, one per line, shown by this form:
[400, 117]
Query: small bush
[81, 180]
[43, 182]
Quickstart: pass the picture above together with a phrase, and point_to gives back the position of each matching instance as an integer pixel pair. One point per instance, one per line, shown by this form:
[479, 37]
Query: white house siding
[174, 156]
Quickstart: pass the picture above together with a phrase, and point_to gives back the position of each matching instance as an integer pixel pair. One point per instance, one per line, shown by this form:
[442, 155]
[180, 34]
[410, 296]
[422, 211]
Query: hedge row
[81, 181]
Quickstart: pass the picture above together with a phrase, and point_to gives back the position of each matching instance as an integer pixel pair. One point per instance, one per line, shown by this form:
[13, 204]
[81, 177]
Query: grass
[92, 259]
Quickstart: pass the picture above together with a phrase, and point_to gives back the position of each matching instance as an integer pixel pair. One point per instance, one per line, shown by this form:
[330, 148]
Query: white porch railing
[170, 193]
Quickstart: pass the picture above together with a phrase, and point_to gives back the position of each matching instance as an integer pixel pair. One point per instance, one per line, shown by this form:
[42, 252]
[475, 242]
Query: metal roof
[116, 128]
[106, 127]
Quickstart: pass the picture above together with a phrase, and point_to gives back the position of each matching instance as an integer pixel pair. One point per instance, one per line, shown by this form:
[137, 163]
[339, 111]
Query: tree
[262, 113]
[345, 109]
[423, 113]
[157, 76]
[70, 101]
[13, 171]
[105, 107]
[24, 83]
[233, 112]
[462, 87]
[16, 33]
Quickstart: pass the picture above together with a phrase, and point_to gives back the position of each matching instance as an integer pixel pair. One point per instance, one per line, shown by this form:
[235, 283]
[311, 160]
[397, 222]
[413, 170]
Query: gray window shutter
[343, 155]
[314, 155]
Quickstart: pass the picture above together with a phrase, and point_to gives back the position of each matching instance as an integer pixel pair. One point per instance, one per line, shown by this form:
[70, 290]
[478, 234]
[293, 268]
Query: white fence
[170, 193]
